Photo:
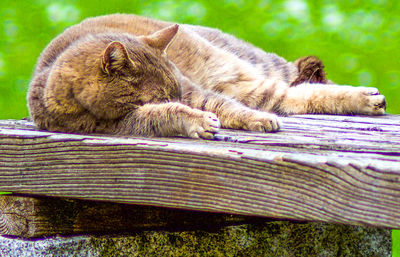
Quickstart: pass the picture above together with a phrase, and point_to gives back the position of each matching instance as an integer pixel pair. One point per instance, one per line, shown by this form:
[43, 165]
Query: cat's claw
[263, 122]
[373, 103]
[369, 90]
[205, 126]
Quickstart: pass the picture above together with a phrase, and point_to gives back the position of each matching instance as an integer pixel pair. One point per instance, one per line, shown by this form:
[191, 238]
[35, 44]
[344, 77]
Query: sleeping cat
[131, 75]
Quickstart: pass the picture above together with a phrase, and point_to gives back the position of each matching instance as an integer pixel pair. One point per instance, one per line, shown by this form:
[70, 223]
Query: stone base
[279, 238]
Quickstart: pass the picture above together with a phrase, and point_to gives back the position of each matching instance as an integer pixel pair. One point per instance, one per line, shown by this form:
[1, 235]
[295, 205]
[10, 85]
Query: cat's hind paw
[373, 103]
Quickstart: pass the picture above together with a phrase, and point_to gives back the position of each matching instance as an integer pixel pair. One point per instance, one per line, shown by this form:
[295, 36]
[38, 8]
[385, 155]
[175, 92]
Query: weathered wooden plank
[42, 216]
[277, 238]
[322, 168]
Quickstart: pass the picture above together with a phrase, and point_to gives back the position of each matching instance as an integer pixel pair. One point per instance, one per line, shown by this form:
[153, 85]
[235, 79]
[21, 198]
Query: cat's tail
[311, 70]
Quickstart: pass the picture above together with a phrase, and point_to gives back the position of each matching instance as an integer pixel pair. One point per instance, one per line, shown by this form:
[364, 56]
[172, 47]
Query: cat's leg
[231, 113]
[329, 99]
[169, 119]
[102, 116]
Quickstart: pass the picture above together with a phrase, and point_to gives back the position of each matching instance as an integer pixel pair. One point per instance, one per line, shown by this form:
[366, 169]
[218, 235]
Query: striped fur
[126, 74]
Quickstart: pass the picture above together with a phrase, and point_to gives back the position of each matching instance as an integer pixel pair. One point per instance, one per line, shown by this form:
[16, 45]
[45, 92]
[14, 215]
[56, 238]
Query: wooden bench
[318, 168]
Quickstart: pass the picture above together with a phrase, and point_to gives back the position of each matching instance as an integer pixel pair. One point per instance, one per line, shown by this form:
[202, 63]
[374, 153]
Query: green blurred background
[357, 40]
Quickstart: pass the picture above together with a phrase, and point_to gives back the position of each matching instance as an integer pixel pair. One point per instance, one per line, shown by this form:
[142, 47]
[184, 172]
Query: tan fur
[128, 74]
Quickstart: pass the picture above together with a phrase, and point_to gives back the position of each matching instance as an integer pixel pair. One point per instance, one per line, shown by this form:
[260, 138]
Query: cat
[131, 75]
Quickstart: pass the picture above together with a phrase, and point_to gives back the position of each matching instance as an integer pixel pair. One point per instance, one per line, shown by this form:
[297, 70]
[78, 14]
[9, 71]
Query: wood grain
[337, 169]
[43, 216]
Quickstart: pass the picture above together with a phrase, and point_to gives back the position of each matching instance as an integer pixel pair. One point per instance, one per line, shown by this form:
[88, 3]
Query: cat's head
[139, 66]
[113, 73]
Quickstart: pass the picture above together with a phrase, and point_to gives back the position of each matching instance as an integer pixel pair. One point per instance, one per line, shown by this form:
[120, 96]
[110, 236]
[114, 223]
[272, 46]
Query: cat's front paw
[262, 122]
[204, 126]
[372, 102]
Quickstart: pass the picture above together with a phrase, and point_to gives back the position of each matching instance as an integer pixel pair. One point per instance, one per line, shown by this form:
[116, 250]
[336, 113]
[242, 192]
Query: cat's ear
[115, 58]
[161, 39]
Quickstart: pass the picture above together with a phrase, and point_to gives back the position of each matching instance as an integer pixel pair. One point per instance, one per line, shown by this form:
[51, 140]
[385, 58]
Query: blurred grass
[357, 40]
[396, 243]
